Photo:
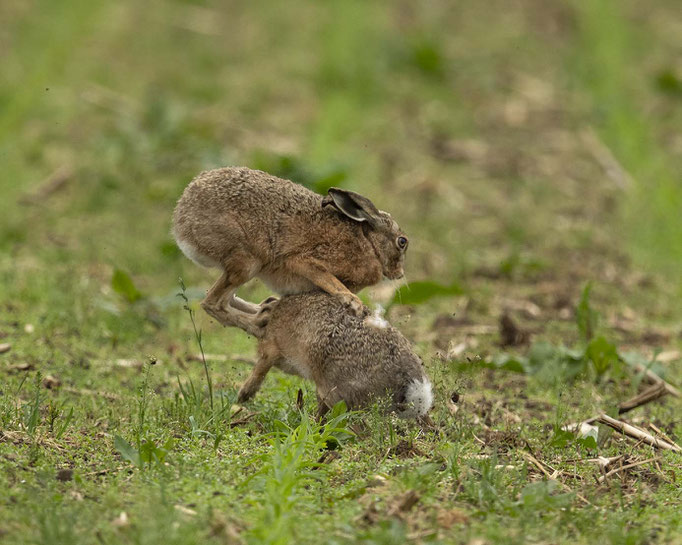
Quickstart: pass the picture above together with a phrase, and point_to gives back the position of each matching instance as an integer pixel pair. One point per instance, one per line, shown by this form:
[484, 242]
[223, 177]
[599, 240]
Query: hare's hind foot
[233, 317]
[222, 304]
[244, 306]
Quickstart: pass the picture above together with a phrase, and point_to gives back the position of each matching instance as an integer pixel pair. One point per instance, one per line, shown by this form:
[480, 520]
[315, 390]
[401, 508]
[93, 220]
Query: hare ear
[351, 204]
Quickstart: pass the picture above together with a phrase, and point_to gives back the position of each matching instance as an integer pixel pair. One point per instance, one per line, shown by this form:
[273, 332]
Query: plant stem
[197, 336]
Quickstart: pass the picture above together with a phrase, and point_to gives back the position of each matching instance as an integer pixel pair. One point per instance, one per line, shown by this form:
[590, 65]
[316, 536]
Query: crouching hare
[351, 358]
[251, 224]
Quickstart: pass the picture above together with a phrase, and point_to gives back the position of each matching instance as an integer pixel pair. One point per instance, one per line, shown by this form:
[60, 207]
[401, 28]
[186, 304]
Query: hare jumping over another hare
[349, 358]
[251, 224]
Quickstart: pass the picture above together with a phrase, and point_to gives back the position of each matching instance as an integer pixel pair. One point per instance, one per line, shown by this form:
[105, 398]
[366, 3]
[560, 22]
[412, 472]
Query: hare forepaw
[353, 301]
[264, 311]
[247, 391]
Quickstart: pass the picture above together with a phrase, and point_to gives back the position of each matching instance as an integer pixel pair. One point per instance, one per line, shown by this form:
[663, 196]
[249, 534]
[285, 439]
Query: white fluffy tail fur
[192, 253]
[419, 398]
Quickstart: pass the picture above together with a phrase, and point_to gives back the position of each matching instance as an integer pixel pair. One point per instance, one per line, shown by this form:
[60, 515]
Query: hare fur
[351, 358]
[251, 224]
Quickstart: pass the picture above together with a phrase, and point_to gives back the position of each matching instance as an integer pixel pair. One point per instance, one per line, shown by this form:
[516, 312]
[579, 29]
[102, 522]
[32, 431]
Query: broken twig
[538, 464]
[661, 433]
[623, 468]
[637, 433]
[653, 378]
[650, 394]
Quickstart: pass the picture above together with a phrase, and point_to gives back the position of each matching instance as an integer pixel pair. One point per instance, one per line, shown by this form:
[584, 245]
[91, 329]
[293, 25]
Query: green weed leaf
[586, 318]
[418, 292]
[602, 354]
[588, 442]
[127, 451]
[515, 364]
[122, 284]
[337, 411]
[668, 82]
[561, 438]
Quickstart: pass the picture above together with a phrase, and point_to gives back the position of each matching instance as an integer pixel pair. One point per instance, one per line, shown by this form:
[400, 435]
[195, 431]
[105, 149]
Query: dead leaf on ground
[185, 510]
[528, 309]
[121, 521]
[24, 366]
[377, 481]
[51, 382]
[449, 517]
[75, 495]
[403, 503]
[455, 350]
[229, 531]
[129, 363]
[669, 356]
[5, 347]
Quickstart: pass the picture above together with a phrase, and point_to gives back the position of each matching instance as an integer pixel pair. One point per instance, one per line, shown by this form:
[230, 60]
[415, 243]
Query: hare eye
[401, 242]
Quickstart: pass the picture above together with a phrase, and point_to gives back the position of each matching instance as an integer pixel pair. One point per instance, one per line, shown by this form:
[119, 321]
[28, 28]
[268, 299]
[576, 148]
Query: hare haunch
[351, 358]
[251, 224]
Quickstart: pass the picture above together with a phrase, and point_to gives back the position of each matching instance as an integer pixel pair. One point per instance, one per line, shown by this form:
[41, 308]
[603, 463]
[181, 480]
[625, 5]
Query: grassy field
[530, 149]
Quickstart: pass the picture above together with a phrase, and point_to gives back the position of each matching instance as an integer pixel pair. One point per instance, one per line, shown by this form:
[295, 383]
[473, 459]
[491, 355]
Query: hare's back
[342, 345]
[241, 189]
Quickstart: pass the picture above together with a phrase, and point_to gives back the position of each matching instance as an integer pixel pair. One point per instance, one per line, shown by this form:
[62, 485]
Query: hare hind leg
[239, 270]
[222, 304]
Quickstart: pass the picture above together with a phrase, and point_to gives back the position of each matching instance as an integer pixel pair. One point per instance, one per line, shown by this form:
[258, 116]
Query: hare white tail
[419, 397]
[192, 253]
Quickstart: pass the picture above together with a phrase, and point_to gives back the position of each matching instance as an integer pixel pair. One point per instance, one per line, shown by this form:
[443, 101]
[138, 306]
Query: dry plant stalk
[637, 433]
[538, 464]
[653, 378]
[659, 389]
[604, 462]
[650, 394]
[661, 433]
[623, 468]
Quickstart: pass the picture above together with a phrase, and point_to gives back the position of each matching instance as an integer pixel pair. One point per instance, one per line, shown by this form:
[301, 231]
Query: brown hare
[351, 358]
[251, 224]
